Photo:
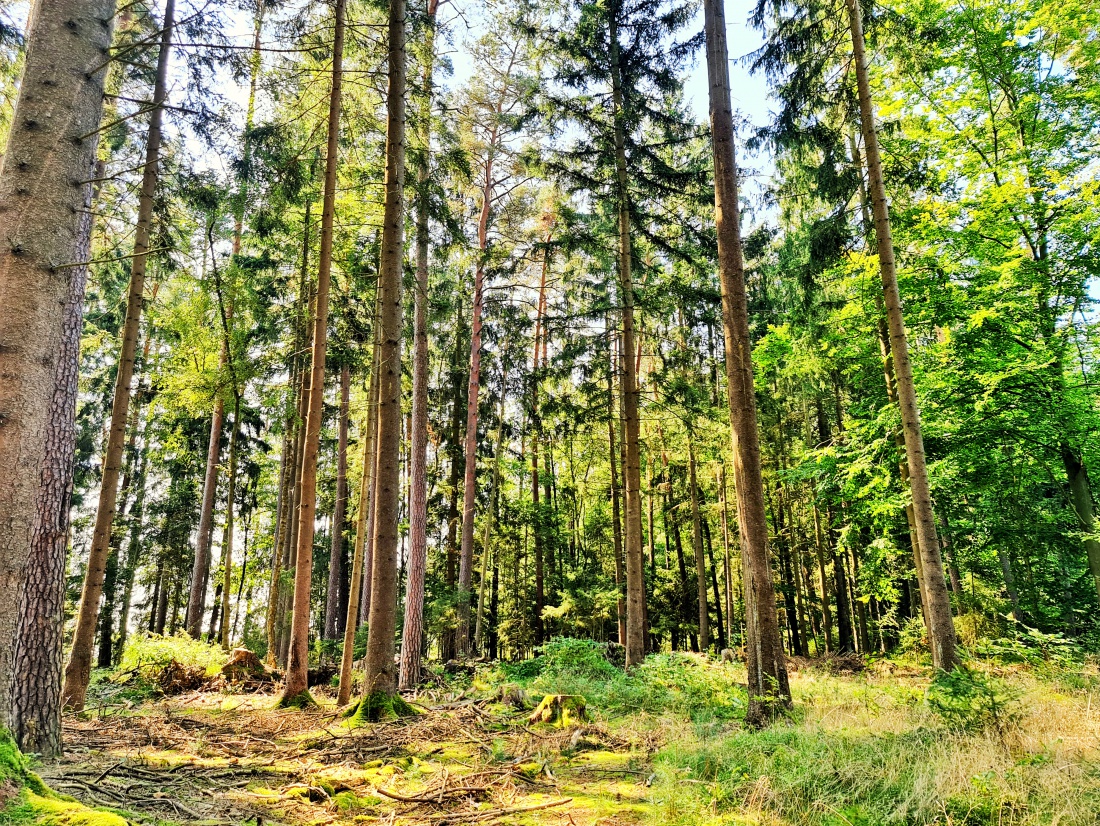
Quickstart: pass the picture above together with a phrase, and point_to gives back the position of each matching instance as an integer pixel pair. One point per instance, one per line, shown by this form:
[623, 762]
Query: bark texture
[36, 694]
[769, 690]
[50, 150]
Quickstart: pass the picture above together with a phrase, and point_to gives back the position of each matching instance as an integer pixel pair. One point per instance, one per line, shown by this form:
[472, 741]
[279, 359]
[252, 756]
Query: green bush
[568, 656]
[147, 654]
[967, 700]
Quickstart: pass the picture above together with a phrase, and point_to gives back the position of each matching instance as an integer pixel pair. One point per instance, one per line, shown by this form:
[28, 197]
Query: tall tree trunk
[381, 675]
[697, 546]
[358, 561]
[1081, 499]
[230, 515]
[78, 671]
[614, 456]
[767, 668]
[412, 630]
[938, 605]
[36, 702]
[201, 570]
[723, 639]
[494, 496]
[826, 614]
[339, 515]
[536, 426]
[41, 274]
[469, 492]
[298, 654]
[727, 566]
[632, 472]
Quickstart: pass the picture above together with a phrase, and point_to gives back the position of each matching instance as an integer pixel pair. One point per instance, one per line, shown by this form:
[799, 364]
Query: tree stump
[560, 710]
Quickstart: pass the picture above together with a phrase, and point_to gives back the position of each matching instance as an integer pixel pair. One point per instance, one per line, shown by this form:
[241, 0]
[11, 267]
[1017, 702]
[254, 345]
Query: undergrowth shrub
[675, 683]
[967, 700]
[145, 655]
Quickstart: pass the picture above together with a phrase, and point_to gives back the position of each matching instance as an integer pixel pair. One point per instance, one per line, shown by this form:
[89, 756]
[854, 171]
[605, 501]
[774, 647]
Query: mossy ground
[858, 750]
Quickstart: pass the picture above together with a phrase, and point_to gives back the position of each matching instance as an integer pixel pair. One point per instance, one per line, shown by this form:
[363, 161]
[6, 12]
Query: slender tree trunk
[78, 671]
[767, 668]
[697, 546]
[614, 455]
[826, 613]
[728, 567]
[469, 492]
[412, 630]
[381, 674]
[723, 640]
[1081, 499]
[938, 605]
[351, 625]
[200, 572]
[494, 496]
[336, 556]
[230, 514]
[536, 419]
[632, 473]
[298, 655]
[50, 148]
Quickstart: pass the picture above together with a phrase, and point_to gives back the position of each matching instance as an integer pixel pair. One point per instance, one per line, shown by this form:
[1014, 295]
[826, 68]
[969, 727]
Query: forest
[573, 412]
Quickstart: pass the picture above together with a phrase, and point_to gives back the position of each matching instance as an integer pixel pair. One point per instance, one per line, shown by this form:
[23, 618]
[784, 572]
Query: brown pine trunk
[298, 653]
[697, 546]
[614, 455]
[938, 605]
[358, 562]
[727, 566]
[336, 555]
[78, 671]
[412, 630]
[200, 572]
[632, 471]
[469, 492]
[49, 148]
[227, 535]
[767, 667]
[381, 674]
[490, 516]
[540, 582]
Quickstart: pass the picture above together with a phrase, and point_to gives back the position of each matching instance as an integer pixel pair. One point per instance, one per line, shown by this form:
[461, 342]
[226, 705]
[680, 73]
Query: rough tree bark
[36, 695]
[381, 674]
[494, 496]
[50, 151]
[78, 670]
[938, 605]
[294, 691]
[769, 690]
[616, 493]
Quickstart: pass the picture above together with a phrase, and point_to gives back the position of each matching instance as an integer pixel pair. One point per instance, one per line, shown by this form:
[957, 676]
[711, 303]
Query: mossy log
[560, 710]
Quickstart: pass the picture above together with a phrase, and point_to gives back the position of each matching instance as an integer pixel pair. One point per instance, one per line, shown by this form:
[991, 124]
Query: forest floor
[1005, 744]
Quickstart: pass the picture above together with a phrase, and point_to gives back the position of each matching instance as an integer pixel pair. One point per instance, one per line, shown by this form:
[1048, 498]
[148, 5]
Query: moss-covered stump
[25, 799]
[377, 707]
[562, 710]
[301, 700]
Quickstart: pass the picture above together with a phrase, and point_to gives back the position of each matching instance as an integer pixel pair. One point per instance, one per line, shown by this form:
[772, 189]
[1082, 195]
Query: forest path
[212, 758]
